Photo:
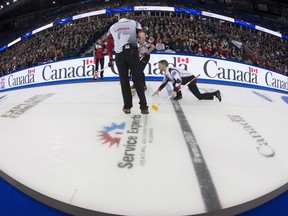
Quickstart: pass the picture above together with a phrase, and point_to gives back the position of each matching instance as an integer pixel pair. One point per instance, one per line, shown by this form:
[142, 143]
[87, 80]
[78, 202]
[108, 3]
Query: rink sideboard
[211, 70]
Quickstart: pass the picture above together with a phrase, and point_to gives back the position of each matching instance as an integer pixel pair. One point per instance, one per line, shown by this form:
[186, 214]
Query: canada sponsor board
[130, 139]
[27, 78]
[58, 71]
[83, 69]
[208, 68]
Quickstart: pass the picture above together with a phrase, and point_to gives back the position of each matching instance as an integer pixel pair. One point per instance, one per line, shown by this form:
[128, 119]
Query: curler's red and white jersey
[123, 32]
[175, 75]
[99, 51]
[143, 49]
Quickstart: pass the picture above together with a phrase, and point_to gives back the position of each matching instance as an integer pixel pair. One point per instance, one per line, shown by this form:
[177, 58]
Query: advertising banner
[210, 70]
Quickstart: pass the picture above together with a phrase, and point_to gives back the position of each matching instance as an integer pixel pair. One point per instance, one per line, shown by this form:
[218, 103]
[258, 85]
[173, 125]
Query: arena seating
[181, 33]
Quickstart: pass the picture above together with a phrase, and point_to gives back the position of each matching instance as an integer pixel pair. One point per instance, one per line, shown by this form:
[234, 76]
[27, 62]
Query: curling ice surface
[70, 141]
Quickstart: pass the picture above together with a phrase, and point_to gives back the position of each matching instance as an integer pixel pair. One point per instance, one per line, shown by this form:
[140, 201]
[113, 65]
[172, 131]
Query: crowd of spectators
[63, 41]
[212, 37]
[53, 15]
[184, 33]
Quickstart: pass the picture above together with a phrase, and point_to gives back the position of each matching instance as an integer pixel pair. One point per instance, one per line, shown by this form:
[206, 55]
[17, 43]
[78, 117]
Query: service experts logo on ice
[112, 134]
[129, 140]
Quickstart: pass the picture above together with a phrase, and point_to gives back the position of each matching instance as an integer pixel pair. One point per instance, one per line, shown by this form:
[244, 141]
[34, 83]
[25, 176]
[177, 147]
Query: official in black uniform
[123, 36]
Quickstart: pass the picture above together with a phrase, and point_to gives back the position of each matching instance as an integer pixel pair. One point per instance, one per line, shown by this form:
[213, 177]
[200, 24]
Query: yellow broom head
[154, 107]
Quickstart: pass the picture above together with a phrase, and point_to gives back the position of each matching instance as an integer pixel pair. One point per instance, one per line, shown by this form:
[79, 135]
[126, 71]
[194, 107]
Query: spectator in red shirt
[99, 56]
[208, 49]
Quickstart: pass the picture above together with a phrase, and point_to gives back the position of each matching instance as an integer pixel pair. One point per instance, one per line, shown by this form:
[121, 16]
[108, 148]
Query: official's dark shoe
[178, 97]
[126, 111]
[101, 74]
[145, 111]
[218, 95]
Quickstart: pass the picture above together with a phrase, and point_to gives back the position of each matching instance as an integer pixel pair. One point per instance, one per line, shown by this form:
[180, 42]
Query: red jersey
[99, 51]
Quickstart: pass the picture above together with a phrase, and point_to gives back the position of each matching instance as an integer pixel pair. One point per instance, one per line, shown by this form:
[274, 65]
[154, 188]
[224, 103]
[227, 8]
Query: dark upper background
[22, 15]
[77, 38]
[21, 7]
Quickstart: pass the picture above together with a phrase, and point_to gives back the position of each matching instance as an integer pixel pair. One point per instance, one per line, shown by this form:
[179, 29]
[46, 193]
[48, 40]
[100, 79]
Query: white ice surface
[55, 148]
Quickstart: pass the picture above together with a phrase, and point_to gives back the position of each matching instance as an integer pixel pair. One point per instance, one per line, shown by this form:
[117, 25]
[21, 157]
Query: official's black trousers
[194, 89]
[143, 62]
[101, 61]
[129, 59]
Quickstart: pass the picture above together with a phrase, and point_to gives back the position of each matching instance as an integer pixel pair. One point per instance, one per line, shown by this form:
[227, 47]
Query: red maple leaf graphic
[107, 138]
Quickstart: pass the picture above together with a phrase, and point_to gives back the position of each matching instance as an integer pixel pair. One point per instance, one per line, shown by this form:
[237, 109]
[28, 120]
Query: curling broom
[156, 107]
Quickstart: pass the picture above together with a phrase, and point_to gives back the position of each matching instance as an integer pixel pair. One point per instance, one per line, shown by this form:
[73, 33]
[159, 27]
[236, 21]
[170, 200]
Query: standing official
[181, 77]
[99, 56]
[123, 36]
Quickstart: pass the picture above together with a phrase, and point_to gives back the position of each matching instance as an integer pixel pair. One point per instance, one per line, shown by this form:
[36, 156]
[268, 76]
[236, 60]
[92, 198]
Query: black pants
[194, 89]
[129, 59]
[143, 62]
[101, 61]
